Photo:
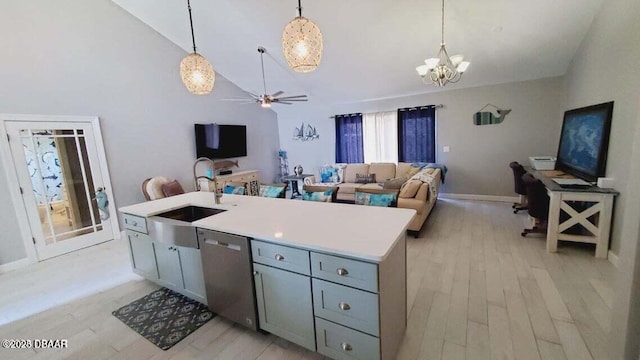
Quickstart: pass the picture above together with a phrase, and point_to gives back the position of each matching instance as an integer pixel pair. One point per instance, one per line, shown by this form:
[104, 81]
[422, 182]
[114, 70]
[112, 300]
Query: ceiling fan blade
[282, 102]
[277, 93]
[291, 100]
[245, 99]
[293, 97]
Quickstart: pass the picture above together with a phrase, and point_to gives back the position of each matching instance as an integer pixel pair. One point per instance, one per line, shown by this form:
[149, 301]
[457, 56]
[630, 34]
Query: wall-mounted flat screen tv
[584, 141]
[215, 141]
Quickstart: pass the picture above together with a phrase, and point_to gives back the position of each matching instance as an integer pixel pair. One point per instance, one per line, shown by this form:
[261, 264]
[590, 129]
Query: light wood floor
[477, 290]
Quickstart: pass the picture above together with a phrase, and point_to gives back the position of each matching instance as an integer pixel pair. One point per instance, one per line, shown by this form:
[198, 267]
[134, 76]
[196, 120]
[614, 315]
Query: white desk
[562, 199]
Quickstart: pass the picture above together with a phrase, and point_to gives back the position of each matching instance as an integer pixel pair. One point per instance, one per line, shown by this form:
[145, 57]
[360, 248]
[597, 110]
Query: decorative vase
[297, 170]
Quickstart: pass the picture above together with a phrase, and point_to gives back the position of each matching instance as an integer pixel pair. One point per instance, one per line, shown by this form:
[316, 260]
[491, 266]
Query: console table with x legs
[590, 208]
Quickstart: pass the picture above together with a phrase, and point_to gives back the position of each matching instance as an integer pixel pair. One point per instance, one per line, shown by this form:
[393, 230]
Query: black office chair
[537, 204]
[519, 188]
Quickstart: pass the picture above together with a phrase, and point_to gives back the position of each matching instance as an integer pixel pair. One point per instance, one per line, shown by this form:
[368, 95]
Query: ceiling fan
[265, 100]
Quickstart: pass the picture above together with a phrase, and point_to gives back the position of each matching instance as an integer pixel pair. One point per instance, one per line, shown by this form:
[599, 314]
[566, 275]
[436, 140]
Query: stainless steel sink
[190, 213]
[174, 227]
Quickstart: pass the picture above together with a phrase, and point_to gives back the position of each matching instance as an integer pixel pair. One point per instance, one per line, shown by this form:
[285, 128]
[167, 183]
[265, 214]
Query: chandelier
[302, 43]
[442, 69]
[196, 72]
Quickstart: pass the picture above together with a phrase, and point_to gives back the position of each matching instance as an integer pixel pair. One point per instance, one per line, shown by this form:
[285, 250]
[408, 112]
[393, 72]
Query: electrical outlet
[446, 149]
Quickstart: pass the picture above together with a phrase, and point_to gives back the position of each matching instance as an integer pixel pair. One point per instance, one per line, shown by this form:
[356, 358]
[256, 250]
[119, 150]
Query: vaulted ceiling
[371, 47]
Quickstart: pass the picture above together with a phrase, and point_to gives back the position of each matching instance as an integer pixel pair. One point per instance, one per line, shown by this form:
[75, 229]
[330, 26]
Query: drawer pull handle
[342, 272]
[136, 235]
[344, 306]
[279, 257]
[346, 347]
[134, 223]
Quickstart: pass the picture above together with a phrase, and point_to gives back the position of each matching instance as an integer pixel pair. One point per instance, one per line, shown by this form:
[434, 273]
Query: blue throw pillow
[271, 191]
[323, 196]
[384, 200]
[327, 173]
[235, 190]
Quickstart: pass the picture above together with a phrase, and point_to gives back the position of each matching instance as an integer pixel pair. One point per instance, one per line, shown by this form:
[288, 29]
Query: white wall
[75, 57]
[11, 243]
[480, 155]
[605, 68]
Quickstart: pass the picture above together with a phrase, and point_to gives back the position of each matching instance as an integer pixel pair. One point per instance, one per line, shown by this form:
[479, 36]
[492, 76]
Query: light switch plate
[446, 149]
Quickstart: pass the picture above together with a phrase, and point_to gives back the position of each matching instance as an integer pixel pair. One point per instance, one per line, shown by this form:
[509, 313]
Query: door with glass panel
[62, 184]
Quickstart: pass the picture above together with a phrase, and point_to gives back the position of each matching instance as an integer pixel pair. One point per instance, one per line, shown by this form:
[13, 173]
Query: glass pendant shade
[197, 74]
[443, 69]
[195, 70]
[302, 44]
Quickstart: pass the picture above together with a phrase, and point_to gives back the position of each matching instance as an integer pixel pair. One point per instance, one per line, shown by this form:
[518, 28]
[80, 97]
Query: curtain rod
[439, 106]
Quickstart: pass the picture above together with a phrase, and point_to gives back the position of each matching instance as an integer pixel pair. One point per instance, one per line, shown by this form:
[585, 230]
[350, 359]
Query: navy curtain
[417, 134]
[349, 147]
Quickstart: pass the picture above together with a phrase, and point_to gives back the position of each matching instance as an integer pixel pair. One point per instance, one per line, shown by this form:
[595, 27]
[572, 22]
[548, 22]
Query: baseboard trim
[613, 258]
[498, 198]
[14, 265]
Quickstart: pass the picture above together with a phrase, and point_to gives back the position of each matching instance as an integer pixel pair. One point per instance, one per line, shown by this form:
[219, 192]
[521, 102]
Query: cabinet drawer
[282, 257]
[135, 223]
[353, 273]
[350, 307]
[341, 343]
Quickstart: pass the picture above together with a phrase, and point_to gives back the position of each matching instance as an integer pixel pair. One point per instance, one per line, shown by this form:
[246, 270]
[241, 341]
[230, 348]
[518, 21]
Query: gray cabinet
[284, 305]
[143, 260]
[175, 267]
[192, 275]
[180, 269]
[358, 307]
[168, 262]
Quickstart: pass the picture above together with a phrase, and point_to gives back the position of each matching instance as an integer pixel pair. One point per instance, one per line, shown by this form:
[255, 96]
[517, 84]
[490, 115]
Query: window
[380, 137]
[349, 147]
[417, 134]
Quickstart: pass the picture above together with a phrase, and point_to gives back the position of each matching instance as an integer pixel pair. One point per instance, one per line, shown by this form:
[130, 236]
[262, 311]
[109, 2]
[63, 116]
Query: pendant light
[302, 43]
[195, 70]
[442, 69]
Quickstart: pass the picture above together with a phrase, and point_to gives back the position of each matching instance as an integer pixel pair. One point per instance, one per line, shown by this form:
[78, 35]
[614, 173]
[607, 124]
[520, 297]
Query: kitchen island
[329, 277]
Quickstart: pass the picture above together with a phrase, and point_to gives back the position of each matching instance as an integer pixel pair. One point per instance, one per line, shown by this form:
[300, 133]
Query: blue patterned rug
[164, 317]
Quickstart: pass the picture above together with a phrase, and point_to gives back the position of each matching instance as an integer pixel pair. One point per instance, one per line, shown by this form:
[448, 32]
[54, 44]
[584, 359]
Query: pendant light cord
[299, 8]
[193, 38]
[264, 82]
[442, 42]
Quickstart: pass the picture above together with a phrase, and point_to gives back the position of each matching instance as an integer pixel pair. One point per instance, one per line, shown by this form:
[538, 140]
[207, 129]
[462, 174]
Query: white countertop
[364, 232]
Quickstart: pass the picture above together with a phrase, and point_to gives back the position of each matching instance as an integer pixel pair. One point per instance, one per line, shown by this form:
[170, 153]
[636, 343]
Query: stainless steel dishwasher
[228, 278]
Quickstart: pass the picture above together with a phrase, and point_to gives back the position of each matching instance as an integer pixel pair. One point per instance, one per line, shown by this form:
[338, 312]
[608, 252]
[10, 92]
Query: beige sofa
[422, 202]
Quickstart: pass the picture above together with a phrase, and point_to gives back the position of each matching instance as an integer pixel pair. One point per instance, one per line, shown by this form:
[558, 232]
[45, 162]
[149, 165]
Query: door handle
[102, 201]
[223, 244]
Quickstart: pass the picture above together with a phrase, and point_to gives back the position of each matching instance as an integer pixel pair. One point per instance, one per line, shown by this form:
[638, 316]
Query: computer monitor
[584, 141]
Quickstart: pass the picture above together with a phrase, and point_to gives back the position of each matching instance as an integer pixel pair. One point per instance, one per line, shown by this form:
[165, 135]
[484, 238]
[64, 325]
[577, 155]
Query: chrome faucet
[218, 195]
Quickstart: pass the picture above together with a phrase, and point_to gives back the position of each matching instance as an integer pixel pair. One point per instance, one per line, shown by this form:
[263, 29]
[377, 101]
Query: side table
[293, 183]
